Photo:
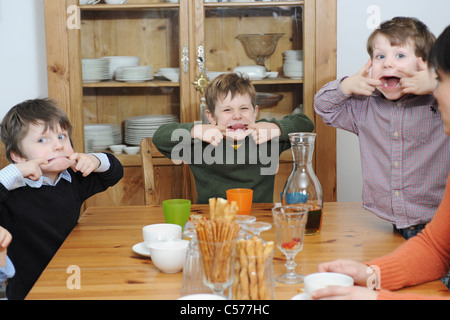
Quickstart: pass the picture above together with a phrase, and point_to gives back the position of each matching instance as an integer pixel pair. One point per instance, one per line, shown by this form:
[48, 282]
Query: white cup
[161, 232]
[320, 280]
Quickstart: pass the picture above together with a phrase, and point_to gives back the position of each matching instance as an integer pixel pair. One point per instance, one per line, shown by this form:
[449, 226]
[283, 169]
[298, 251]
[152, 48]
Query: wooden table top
[101, 247]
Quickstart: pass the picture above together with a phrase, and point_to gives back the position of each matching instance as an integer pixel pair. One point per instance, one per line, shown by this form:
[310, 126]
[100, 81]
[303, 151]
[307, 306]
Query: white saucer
[141, 249]
[300, 296]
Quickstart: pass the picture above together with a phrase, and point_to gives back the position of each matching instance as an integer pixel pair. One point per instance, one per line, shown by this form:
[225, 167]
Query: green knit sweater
[217, 169]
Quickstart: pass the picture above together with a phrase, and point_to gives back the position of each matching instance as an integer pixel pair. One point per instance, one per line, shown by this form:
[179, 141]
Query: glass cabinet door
[122, 34]
[261, 34]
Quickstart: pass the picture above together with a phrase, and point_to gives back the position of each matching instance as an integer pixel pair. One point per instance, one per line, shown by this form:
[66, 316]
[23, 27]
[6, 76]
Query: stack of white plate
[137, 128]
[95, 70]
[121, 61]
[101, 136]
[134, 74]
[293, 64]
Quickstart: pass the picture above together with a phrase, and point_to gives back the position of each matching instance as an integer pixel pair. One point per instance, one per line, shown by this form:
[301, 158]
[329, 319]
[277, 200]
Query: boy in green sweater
[234, 150]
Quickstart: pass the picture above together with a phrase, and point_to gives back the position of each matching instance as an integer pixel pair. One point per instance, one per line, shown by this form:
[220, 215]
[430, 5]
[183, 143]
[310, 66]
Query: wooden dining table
[97, 261]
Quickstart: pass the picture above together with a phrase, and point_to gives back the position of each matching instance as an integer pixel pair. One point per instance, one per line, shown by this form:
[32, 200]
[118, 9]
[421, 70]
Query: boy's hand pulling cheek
[361, 82]
[209, 133]
[31, 169]
[85, 163]
[418, 82]
[264, 131]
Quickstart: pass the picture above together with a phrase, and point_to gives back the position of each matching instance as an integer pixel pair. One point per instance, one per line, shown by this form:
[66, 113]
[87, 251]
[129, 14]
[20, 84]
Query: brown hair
[400, 30]
[16, 123]
[232, 83]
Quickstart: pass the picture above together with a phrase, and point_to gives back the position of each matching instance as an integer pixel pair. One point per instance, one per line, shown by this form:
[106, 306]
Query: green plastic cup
[177, 211]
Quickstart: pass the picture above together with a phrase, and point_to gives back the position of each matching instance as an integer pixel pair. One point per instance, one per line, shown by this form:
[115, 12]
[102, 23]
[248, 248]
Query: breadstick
[243, 276]
[260, 269]
[237, 270]
[252, 270]
[212, 207]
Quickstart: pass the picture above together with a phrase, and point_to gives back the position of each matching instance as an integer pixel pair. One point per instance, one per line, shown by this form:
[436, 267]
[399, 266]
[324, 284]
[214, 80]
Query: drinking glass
[257, 227]
[242, 220]
[218, 264]
[290, 222]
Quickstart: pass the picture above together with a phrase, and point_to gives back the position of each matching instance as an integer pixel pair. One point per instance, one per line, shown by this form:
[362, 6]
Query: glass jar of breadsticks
[244, 264]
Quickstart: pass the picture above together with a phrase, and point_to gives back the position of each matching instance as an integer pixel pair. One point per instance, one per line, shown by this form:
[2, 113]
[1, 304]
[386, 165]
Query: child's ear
[16, 158]
[210, 117]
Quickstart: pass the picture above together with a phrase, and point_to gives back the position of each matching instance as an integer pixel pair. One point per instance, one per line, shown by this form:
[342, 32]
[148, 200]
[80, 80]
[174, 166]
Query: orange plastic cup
[243, 198]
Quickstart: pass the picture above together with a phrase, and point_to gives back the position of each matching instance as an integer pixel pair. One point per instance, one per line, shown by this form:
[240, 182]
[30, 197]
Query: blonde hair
[232, 83]
[400, 30]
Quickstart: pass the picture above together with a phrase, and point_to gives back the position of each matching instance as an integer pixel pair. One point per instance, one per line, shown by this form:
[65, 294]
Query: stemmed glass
[290, 222]
[218, 264]
[257, 227]
[242, 220]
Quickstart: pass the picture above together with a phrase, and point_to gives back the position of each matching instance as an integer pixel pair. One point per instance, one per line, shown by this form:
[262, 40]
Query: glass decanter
[303, 187]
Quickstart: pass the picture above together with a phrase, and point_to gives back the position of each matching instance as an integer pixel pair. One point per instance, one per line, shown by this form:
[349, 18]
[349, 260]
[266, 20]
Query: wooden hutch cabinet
[194, 36]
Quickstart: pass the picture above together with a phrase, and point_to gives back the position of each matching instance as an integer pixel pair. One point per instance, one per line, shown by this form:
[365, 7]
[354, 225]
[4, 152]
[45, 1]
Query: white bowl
[320, 280]
[131, 150]
[116, 1]
[253, 72]
[161, 231]
[251, 69]
[169, 256]
[117, 148]
[174, 77]
[168, 70]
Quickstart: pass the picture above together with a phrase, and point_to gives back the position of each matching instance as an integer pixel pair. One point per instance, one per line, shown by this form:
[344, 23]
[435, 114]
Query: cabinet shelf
[165, 5]
[118, 84]
[162, 83]
[129, 7]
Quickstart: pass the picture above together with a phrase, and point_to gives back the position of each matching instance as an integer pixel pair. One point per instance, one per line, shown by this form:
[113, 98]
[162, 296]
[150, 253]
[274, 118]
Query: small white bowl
[161, 232]
[117, 148]
[169, 256]
[116, 1]
[131, 150]
[168, 70]
[174, 77]
[320, 280]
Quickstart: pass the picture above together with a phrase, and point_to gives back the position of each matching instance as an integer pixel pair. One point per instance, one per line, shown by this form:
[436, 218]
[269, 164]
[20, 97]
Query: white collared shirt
[12, 178]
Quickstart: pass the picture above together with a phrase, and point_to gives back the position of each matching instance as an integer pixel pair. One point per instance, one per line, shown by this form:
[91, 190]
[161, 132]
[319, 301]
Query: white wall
[355, 20]
[22, 52]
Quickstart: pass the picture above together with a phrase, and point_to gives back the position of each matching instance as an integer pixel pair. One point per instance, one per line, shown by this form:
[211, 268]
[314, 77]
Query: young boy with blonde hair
[389, 105]
[234, 150]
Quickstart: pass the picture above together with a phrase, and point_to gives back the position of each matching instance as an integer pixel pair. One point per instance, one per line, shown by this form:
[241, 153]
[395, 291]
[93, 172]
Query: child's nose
[57, 145]
[388, 62]
[236, 114]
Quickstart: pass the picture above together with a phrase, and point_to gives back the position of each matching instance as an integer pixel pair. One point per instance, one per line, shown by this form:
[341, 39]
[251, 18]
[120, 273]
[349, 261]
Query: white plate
[300, 296]
[202, 296]
[141, 249]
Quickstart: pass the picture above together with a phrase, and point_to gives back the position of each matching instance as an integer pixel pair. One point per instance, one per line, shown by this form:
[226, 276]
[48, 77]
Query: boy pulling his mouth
[390, 106]
[236, 145]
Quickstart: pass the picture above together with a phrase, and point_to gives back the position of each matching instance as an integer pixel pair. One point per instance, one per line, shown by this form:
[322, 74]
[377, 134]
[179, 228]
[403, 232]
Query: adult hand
[345, 293]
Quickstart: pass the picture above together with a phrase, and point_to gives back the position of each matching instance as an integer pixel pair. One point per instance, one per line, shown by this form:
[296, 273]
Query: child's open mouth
[238, 126]
[390, 82]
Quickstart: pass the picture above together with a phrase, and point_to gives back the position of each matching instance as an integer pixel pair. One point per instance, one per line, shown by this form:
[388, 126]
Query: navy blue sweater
[40, 219]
